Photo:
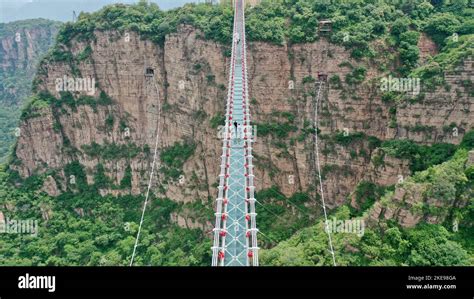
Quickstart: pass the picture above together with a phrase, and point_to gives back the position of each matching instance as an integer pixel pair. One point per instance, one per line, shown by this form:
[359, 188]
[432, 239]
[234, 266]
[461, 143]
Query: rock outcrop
[189, 86]
[22, 44]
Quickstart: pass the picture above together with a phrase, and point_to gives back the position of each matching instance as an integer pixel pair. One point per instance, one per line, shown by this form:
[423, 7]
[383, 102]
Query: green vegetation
[112, 151]
[352, 141]
[387, 243]
[8, 122]
[468, 140]
[278, 130]
[16, 76]
[389, 97]
[421, 156]
[80, 227]
[198, 211]
[36, 103]
[100, 179]
[280, 217]
[126, 181]
[149, 21]
[355, 23]
[358, 23]
[279, 126]
[173, 158]
[442, 25]
[11, 28]
[44, 99]
[335, 82]
[346, 139]
[109, 122]
[76, 176]
[90, 230]
[86, 53]
[68, 99]
[217, 120]
[366, 193]
[356, 76]
[308, 79]
[408, 49]
[432, 74]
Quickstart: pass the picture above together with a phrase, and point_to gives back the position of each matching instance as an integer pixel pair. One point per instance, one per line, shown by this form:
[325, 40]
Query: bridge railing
[250, 190]
[221, 201]
[221, 204]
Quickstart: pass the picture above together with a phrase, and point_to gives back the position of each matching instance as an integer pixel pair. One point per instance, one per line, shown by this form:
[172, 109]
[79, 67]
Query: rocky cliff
[188, 90]
[22, 44]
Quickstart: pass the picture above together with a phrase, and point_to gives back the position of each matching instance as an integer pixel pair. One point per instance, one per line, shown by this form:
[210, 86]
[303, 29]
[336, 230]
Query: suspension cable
[316, 149]
[149, 181]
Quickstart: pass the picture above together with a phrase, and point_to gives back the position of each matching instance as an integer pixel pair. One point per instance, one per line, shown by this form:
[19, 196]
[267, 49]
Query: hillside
[385, 242]
[83, 158]
[22, 44]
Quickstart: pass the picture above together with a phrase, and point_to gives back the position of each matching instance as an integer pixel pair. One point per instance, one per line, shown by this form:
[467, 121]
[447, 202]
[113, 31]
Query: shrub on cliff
[420, 156]
[174, 157]
[442, 25]
[91, 230]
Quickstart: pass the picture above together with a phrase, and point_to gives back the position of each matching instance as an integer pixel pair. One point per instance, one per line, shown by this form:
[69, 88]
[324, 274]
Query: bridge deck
[234, 240]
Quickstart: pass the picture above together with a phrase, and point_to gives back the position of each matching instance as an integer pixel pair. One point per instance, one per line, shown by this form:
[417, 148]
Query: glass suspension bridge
[235, 231]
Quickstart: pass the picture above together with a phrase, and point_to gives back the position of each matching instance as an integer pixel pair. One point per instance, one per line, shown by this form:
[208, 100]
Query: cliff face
[441, 116]
[188, 99]
[189, 84]
[426, 197]
[22, 43]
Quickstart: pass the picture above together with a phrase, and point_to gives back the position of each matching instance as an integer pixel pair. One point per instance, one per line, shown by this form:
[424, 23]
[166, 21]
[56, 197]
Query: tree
[399, 26]
[431, 246]
[442, 25]
[126, 181]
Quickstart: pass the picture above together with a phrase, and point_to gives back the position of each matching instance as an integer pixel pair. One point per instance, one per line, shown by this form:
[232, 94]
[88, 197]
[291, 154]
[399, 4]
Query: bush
[76, 176]
[346, 140]
[399, 26]
[308, 79]
[442, 25]
[374, 142]
[420, 156]
[112, 151]
[173, 158]
[408, 48]
[356, 76]
[85, 54]
[100, 179]
[335, 80]
[278, 130]
[389, 97]
[126, 181]
[468, 140]
[217, 120]
[366, 194]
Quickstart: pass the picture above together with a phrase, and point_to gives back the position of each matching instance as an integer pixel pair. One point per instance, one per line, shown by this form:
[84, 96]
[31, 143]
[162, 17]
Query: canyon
[188, 88]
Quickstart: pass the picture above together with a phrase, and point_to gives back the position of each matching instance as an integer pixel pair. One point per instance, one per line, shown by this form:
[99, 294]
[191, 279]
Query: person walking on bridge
[235, 125]
[237, 37]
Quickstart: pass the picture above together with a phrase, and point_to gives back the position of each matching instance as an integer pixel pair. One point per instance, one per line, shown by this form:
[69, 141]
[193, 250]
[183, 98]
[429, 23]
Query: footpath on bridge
[235, 231]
